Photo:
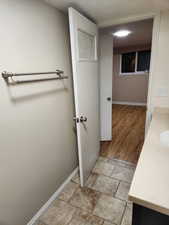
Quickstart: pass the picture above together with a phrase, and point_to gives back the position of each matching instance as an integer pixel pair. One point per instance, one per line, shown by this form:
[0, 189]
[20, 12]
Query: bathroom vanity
[149, 191]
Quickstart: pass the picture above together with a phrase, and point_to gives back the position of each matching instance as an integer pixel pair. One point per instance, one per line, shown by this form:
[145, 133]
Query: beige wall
[130, 88]
[159, 85]
[37, 141]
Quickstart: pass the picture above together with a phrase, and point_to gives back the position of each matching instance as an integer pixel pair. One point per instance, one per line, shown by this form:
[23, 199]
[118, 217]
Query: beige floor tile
[68, 191]
[122, 173]
[76, 178]
[123, 190]
[108, 223]
[83, 218]
[110, 209]
[87, 206]
[85, 198]
[60, 213]
[103, 159]
[39, 223]
[127, 218]
[117, 162]
[89, 182]
[105, 185]
[103, 168]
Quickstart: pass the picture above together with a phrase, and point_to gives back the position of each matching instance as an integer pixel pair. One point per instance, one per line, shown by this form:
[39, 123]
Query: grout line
[83, 209]
[123, 214]
[73, 194]
[122, 200]
[116, 164]
[100, 194]
[110, 222]
[120, 160]
[113, 178]
[91, 212]
[45, 207]
[43, 223]
[72, 217]
[117, 189]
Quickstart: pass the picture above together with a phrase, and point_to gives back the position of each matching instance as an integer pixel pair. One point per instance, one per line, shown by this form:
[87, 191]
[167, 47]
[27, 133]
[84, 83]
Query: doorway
[131, 56]
[128, 126]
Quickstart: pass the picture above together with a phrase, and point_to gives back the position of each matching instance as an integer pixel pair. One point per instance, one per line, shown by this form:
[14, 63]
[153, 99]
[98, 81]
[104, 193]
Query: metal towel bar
[6, 74]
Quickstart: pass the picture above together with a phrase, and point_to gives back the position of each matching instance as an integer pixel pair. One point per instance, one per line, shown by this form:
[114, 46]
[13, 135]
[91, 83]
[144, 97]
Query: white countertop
[150, 185]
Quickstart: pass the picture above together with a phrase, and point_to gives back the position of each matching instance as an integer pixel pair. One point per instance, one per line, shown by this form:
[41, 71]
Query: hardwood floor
[128, 133]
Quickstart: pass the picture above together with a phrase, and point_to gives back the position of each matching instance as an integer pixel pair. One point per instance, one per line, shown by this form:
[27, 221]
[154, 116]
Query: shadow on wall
[33, 96]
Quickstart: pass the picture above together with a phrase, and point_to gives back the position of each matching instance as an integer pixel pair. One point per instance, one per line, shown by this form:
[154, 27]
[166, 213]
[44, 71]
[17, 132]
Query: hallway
[102, 202]
[128, 127]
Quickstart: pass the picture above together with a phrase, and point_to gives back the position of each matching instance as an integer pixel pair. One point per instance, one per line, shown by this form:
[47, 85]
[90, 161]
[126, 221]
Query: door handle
[83, 119]
[108, 98]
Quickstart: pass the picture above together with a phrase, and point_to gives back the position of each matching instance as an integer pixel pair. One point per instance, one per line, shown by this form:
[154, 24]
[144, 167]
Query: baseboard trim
[52, 198]
[129, 103]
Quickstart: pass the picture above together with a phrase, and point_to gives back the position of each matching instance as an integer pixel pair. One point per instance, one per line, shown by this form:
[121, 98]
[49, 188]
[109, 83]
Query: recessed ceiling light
[122, 33]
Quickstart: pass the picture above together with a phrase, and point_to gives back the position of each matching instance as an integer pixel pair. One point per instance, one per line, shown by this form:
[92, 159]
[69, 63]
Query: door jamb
[154, 51]
[153, 64]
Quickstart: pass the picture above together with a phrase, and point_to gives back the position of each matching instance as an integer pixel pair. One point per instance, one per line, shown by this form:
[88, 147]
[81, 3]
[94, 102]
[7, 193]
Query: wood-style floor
[128, 133]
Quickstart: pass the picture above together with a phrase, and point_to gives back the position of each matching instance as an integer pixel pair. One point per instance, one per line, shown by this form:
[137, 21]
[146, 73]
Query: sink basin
[164, 138]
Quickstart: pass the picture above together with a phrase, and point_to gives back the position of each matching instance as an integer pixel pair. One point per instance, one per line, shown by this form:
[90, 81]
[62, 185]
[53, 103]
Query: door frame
[154, 52]
[106, 86]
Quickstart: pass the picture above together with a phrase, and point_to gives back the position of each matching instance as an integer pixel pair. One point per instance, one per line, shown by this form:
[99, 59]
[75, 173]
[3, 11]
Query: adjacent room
[130, 79]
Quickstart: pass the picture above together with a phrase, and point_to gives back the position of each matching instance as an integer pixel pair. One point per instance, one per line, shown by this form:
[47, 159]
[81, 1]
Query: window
[128, 62]
[143, 62]
[135, 62]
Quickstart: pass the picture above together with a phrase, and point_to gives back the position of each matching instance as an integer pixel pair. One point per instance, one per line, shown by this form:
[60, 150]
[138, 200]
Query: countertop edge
[135, 199]
[149, 205]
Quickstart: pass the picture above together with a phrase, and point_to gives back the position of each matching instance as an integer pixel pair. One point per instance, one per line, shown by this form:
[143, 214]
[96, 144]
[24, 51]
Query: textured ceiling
[104, 12]
[141, 33]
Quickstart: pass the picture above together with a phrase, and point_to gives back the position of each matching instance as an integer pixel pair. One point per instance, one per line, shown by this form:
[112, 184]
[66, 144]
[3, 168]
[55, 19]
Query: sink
[164, 138]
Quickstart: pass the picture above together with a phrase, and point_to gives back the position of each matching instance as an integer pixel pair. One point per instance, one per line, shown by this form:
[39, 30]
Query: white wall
[159, 85]
[37, 141]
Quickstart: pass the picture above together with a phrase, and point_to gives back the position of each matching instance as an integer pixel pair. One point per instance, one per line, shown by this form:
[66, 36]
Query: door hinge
[81, 119]
[76, 119]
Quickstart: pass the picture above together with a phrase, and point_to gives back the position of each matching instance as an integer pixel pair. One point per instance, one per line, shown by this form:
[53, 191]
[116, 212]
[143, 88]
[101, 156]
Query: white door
[106, 75]
[84, 41]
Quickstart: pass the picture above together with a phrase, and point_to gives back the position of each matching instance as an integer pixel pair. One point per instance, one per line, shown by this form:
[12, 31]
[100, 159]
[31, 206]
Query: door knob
[83, 119]
[108, 99]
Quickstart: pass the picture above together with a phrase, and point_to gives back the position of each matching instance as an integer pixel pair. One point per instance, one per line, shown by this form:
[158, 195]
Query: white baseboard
[129, 103]
[53, 197]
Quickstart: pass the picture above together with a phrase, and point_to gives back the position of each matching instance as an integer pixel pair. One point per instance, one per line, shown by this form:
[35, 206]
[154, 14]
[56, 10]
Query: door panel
[84, 38]
[86, 46]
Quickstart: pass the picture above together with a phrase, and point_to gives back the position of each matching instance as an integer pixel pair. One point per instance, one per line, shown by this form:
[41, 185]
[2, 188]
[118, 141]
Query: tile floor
[103, 201]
